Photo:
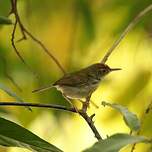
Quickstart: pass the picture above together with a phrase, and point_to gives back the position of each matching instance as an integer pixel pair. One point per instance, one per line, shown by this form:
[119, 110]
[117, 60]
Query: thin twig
[16, 50]
[126, 31]
[24, 31]
[40, 105]
[45, 49]
[88, 119]
[58, 107]
[13, 43]
[91, 124]
[17, 21]
[148, 109]
[14, 10]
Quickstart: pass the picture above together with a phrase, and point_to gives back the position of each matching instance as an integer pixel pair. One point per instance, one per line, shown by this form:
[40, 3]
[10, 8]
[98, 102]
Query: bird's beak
[115, 69]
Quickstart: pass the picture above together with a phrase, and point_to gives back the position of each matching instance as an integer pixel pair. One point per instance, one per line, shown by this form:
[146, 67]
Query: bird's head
[103, 69]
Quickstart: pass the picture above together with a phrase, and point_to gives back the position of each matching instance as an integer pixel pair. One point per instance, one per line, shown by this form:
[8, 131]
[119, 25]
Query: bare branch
[13, 43]
[40, 105]
[24, 31]
[15, 49]
[45, 49]
[126, 31]
[17, 20]
[15, 11]
[91, 125]
[88, 119]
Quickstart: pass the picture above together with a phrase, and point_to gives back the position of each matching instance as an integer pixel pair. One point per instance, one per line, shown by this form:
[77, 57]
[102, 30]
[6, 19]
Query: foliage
[78, 32]
[130, 119]
[13, 135]
[116, 142]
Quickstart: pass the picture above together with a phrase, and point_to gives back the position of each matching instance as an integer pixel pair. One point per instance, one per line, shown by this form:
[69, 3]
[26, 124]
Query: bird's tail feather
[42, 89]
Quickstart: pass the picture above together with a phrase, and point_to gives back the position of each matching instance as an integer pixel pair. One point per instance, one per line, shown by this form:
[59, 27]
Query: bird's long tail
[43, 89]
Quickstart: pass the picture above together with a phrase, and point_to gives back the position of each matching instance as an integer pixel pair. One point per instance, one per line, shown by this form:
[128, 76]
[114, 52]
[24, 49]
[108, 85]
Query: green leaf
[115, 142]
[12, 94]
[13, 135]
[130, 118]
[4, 20]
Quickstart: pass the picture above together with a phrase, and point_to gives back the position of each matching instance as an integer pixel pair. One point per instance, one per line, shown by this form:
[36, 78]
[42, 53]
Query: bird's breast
[77, 92]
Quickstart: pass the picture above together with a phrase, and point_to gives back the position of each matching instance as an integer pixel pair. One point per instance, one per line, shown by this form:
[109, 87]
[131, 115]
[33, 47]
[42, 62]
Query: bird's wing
[74, 79]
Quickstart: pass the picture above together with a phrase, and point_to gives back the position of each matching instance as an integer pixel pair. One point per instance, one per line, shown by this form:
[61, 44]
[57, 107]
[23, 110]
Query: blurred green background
[78, 33]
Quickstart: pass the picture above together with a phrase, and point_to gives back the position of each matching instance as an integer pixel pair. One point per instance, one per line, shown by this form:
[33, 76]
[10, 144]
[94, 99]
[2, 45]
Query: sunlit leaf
[13, 135]
[130, 118]
[116, 142]
[12, 94]
[5, 21]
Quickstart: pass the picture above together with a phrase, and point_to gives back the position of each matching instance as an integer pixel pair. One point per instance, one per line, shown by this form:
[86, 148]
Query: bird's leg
[86, 103]
[69, 100]
[93, 103]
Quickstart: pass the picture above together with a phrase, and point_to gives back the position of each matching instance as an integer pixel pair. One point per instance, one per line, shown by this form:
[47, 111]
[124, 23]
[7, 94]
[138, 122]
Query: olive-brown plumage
[82, 83]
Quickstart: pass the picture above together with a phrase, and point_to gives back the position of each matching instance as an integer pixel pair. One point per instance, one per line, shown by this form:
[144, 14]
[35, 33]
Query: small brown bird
[82, 83]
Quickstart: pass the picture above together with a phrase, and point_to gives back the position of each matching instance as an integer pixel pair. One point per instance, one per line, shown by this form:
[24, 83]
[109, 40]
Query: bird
[82, 83]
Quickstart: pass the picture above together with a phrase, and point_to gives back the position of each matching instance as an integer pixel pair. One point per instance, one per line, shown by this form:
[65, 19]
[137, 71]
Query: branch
[13, 43]
[91, 124]
[88, 119]
[24, 31]
[40, 105]
[45, 49]
[17, 21]
[126, 31]
[57, 107]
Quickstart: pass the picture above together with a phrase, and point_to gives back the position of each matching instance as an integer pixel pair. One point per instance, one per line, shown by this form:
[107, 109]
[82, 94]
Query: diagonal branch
[126, 31]
[24, 31]
[91, 124]
[89, 119]
[45, 49]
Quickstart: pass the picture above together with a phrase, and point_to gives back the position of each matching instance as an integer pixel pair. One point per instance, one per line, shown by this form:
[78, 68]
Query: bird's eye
[104, 71]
